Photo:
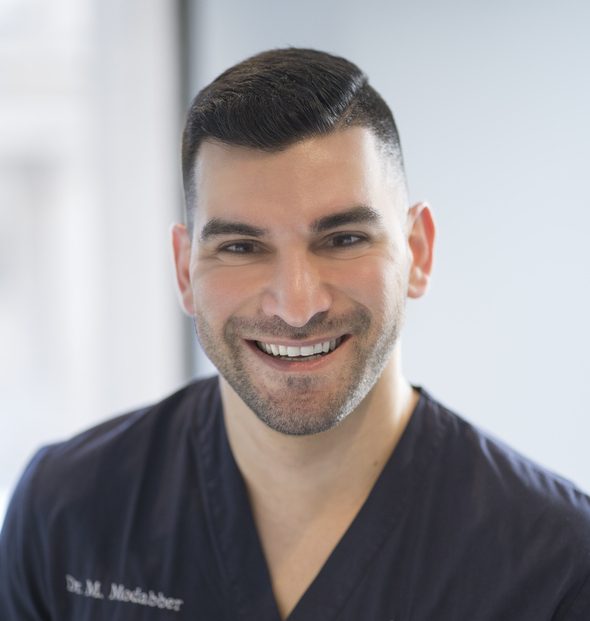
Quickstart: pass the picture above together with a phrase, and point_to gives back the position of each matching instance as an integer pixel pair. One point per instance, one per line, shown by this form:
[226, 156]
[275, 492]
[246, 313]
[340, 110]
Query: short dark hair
[279, 97]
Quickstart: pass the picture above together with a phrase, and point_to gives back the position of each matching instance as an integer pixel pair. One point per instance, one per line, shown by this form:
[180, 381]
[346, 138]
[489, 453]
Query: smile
[290, 351]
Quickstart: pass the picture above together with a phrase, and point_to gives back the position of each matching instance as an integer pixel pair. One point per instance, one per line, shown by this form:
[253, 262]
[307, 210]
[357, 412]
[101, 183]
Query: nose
[296, 292]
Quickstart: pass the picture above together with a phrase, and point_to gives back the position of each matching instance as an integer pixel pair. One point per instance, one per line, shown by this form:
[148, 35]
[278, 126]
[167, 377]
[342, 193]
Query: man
[309, 481]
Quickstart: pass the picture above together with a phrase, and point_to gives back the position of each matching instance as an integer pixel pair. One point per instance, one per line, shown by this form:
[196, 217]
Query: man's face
[297, 273]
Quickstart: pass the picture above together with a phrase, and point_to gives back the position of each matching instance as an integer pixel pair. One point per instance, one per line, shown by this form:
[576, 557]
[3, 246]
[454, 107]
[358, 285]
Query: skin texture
[312, 243]
[292, 285]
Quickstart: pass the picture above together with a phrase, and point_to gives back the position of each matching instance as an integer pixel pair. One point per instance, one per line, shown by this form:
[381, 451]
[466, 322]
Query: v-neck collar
[236, 539]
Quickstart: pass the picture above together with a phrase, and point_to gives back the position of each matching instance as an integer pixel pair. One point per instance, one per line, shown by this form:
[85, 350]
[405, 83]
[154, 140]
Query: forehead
[304, 181]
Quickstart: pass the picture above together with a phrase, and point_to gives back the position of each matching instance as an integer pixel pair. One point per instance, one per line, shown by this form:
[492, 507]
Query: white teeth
[299, 352]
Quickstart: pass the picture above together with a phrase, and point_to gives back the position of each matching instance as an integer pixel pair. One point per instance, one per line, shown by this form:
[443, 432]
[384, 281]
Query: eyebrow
[361, 214]
[218, 226]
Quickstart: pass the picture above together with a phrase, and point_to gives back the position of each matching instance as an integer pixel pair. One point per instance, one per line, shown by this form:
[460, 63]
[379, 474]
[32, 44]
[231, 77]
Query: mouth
[302, 352]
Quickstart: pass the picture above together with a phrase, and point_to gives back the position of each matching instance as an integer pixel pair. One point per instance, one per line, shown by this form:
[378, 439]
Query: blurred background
[492, 103]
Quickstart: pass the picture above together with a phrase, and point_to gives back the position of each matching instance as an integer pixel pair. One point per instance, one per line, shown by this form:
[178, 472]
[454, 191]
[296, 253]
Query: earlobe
[181, 245]
[421, 244]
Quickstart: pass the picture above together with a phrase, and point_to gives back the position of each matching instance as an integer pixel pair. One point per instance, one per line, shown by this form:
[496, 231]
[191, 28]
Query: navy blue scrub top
[147, 517]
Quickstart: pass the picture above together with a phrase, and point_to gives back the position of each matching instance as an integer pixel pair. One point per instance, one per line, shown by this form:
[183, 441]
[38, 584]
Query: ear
[421, 243]
[181, 245]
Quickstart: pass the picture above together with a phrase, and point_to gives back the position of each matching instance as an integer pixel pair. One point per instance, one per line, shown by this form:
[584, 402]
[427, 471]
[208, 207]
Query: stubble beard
[299, 405]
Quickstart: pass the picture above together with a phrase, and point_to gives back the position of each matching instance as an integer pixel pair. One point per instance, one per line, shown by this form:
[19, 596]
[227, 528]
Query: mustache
[351, 322]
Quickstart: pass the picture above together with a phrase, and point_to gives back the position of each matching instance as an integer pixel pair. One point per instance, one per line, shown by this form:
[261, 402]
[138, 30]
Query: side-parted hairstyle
[279, 97]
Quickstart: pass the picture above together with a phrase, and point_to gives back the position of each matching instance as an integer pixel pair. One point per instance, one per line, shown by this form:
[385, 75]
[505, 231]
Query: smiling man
[297, 275]
[310, 480]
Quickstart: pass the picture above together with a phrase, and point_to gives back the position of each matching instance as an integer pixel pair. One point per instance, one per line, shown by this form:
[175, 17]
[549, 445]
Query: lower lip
[302, 364]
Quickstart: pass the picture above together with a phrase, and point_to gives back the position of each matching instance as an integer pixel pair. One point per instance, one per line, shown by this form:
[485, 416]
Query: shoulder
[80, 498]
[120, 448]
[518, 503]
[500, 464]
[493, 513]
[473, 456]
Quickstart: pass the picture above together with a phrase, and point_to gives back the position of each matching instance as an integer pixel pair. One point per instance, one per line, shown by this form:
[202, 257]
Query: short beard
[304, 414]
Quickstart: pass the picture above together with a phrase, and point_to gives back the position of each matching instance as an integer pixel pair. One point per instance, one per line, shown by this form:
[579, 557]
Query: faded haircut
[279, 97]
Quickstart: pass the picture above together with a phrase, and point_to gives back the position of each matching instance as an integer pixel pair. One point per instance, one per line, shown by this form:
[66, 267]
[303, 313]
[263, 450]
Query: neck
[300, 473]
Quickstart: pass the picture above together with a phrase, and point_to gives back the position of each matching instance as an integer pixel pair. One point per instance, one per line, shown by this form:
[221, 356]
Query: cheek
[223, 292]
[377, 284]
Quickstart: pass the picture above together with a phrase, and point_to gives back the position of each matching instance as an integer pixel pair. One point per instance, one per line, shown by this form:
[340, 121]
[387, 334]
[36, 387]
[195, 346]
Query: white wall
[492, 102]
[89, 184]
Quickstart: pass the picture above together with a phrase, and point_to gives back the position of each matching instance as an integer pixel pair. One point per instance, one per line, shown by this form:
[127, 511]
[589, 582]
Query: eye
[240, 251]
[240, 247]
[344, 244]
[345, 240]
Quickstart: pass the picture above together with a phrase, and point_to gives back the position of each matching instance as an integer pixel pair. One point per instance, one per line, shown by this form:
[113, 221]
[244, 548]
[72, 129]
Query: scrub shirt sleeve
[23, 595]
